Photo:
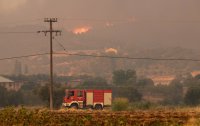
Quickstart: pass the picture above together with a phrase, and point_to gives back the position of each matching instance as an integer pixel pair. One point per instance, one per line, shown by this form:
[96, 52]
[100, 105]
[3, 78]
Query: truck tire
[98, 107]
[74, 106]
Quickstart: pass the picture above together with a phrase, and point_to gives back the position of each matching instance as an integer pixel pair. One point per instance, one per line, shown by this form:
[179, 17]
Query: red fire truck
[95, 99]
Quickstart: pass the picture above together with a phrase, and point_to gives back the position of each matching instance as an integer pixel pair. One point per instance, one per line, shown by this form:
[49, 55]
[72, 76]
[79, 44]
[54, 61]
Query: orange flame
[81, 30]
[108, 24]
[111, 50]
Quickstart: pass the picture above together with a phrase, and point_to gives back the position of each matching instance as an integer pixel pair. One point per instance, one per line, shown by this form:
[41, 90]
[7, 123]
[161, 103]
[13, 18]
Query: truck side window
[80, 94]
[71, 93]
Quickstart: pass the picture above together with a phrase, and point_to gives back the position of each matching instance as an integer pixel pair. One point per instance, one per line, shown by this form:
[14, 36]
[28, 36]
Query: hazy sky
[156, 10]
[134, 22]
[127, 24]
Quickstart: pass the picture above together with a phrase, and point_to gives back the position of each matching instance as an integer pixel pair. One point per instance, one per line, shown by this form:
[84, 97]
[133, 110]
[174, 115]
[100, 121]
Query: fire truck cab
[95, 99]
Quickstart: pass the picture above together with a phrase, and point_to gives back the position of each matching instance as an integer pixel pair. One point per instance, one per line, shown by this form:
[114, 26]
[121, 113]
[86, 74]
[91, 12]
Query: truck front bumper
[65, 104]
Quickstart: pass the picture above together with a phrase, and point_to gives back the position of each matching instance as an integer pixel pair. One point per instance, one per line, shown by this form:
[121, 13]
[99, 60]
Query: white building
[163, 80]
[9, 84]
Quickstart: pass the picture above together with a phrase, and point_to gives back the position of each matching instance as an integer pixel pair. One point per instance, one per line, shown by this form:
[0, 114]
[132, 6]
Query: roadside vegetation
[42, 117]
[139, 92]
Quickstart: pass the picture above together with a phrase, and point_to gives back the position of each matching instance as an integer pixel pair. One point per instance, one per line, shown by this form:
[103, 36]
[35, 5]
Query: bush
[42, 117]
[10, 98]
[192, 96]
[132, 94]
[59, 93]
[120, 104]
[141, 105]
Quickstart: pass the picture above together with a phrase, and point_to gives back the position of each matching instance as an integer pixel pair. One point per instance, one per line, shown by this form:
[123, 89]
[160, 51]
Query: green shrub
[192, 96]
[141, 105]
[120, 104]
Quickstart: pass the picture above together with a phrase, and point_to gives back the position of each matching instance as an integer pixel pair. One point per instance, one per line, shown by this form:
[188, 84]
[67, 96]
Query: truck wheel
[98, 107]
[74, 106]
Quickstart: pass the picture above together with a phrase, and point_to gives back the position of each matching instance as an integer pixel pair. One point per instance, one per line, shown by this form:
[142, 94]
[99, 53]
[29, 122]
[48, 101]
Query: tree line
[184, 90]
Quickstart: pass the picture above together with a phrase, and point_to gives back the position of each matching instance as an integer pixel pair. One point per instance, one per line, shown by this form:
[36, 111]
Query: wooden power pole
[51, 31]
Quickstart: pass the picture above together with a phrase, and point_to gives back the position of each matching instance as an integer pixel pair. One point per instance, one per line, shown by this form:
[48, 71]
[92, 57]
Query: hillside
[95, 41]
[75, 65]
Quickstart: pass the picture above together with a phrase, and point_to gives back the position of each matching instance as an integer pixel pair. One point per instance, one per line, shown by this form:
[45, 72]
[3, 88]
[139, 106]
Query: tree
[174, 94]
[145, 82]
[10, 98]
[127, 92]
[94, 82]
[119, 77]
[3, 96]
[59, 93]
[15, 98]
[122, 77]
[58, 97]
[190, 81]
[197, 77]
[192, 96]
[44, 94]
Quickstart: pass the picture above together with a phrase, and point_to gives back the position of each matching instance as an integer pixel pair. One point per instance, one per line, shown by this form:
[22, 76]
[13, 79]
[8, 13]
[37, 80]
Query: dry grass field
[44, 117]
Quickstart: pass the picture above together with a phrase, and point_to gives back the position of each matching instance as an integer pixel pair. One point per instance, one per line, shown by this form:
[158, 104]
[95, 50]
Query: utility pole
[51, 31]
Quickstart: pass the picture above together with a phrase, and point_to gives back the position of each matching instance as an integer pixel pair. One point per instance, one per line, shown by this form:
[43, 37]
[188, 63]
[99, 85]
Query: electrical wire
[129, 58]
[24, 56]
[99, 56]
[2, 32]
[94, 19]
[124, 57]
[60, 44]
[102, 56]
[128, 19]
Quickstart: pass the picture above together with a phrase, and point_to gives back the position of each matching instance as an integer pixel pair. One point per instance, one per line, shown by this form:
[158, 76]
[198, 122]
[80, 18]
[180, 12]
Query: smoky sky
[155, 22]
[179, 10]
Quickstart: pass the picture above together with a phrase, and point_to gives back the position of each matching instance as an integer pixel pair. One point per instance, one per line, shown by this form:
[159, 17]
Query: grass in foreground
[41, 117]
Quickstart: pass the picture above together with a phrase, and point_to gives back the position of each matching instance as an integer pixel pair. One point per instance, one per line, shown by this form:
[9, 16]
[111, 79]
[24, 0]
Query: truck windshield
[70, 93]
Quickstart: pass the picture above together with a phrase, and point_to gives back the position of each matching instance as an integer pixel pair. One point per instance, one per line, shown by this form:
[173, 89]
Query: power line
[24, 56]
[18, 22]
[96, 19]
[60, 45]
[128, 19]
[51, 31]
[124, 57]
[18, 32]
[98, 56]
[129, 58]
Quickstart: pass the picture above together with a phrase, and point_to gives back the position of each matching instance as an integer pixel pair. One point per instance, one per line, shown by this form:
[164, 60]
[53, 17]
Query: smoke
[136, 23]
[10, 5]
[81, 30]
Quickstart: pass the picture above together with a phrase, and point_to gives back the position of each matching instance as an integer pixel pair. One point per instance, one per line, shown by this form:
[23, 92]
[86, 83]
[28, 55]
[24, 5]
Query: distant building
[18, 68]
[9, 84]
[163, 80]
[26, 70]
[195, 73]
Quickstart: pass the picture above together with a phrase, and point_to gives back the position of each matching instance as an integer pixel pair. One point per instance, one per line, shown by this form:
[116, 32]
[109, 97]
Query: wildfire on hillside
[111, 50]
[81, 30]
